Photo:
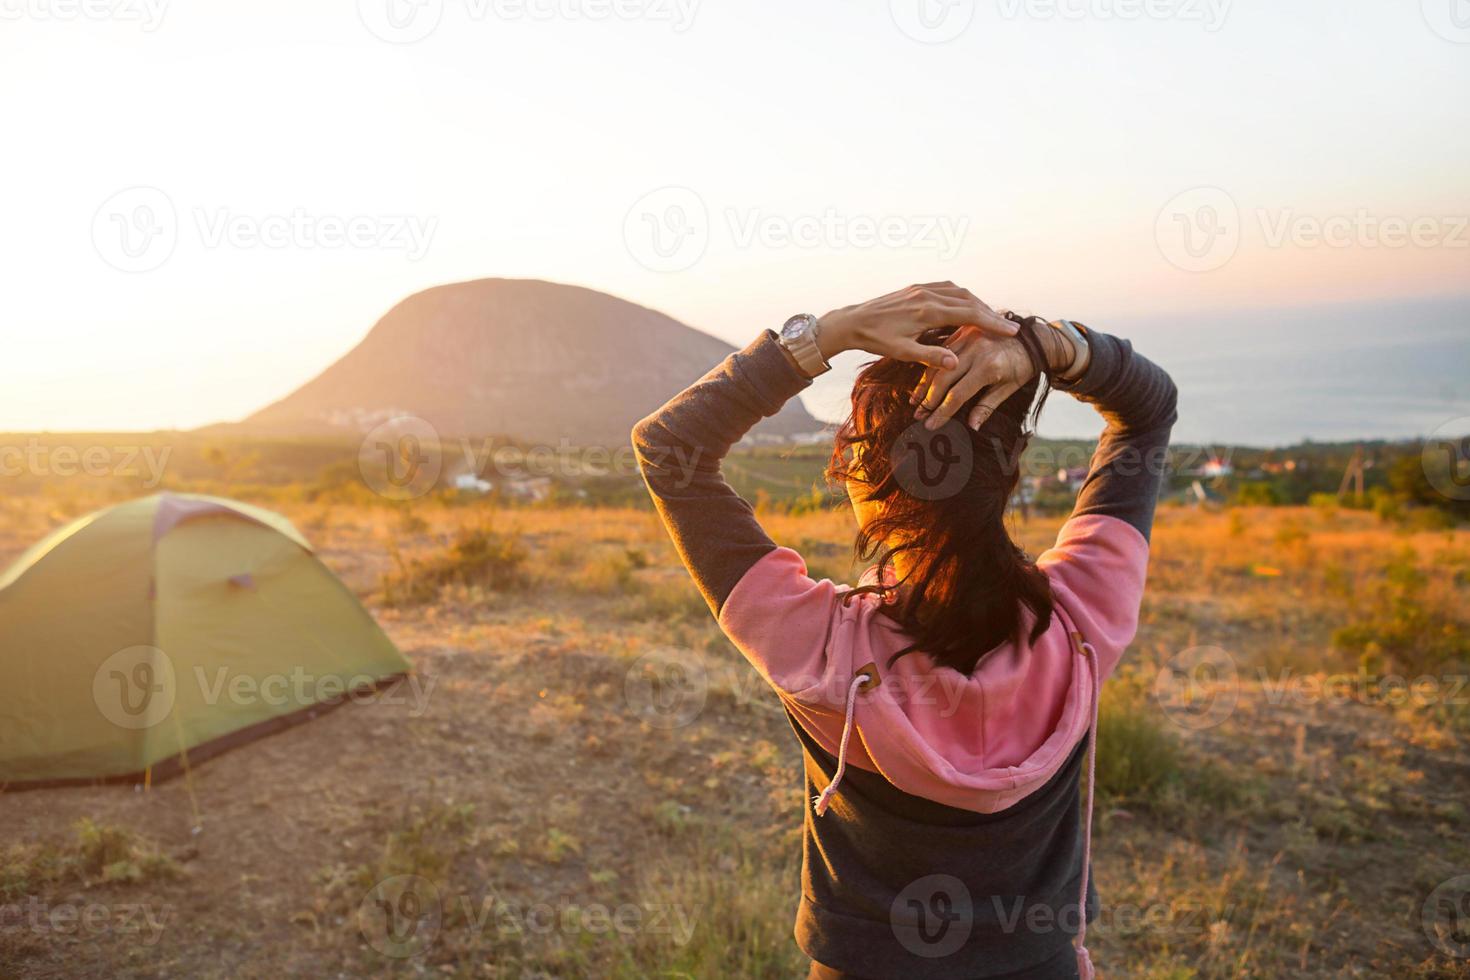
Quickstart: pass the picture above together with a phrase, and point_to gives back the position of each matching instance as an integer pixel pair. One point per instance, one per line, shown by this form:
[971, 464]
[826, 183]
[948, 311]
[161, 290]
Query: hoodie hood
[981, 742]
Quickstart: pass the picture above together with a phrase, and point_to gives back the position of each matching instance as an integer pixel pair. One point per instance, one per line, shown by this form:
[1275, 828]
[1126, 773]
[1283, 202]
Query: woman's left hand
[999, 364]
[892, 325]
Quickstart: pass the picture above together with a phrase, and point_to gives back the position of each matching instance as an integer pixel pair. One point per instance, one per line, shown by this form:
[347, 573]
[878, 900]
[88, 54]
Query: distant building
[532, 488]
[1216, 468]
[1072, 476]
[470, 483]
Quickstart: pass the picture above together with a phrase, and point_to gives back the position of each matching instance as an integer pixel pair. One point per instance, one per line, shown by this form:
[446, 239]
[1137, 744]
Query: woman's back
[947, 839]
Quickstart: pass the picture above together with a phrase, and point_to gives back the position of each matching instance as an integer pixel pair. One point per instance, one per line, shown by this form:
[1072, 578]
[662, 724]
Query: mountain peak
[536, 360]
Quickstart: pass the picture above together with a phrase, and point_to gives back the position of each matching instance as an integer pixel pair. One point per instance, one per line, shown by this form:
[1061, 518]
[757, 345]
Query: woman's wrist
[1066, 359]
[832, 334]
[1058, 349]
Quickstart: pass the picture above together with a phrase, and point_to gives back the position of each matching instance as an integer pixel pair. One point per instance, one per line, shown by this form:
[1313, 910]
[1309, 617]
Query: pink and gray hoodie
[948, 839]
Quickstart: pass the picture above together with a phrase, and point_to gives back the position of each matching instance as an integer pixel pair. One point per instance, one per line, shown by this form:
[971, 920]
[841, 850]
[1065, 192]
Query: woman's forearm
[1137, 399]
[679, 450]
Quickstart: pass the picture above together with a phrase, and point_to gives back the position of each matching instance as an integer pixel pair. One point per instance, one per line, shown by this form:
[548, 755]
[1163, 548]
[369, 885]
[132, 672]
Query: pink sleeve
[1097, 570]
[790, 629]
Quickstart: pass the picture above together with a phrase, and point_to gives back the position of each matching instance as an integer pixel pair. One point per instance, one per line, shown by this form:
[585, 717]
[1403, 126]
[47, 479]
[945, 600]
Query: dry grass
[544, 795]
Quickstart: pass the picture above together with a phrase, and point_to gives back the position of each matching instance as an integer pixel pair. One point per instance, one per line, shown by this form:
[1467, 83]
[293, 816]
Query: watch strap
[803, 347]
[1079, 348]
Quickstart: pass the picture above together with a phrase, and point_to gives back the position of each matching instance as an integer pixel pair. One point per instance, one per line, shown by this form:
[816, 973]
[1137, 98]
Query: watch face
[795, 327]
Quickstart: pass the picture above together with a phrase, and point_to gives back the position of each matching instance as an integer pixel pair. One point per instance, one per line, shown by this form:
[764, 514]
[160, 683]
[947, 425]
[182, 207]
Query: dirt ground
[582, 779]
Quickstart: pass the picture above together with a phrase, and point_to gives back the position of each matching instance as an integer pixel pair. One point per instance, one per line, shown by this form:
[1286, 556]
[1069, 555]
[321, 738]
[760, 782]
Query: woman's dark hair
[967, 581]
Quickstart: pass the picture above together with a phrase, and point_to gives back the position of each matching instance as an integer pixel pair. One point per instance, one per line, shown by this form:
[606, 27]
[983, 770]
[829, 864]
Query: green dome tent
[156, 633]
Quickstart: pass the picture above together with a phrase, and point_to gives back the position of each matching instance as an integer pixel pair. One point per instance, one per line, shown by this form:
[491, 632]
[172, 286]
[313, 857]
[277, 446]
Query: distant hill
[535, 360]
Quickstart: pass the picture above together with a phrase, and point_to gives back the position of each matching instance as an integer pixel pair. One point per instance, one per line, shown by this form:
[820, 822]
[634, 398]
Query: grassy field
[585, 780]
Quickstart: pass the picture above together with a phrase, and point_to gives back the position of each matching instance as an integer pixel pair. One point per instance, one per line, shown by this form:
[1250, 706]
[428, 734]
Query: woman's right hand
[999, 368]
[890, 325]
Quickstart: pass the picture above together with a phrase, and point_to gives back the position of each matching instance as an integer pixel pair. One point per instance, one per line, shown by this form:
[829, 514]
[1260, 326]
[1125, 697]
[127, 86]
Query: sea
[1276, 377]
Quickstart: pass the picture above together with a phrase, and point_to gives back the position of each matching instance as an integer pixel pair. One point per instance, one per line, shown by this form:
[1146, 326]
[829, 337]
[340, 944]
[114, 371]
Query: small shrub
[673, 599]
[608, 573]
[477, 557]
[1326, 505]
[1402, 623]
[1138, 756]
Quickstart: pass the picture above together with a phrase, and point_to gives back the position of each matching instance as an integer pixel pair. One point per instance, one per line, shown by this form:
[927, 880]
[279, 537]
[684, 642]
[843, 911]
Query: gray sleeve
[1137, 399]
[679, 450]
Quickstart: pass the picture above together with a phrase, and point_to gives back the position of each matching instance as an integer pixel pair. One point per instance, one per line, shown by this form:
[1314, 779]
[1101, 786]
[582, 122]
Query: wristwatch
[1080, 350]
[799, 336]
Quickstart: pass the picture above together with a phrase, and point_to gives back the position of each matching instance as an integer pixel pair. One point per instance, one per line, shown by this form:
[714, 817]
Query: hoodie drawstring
[821, 802]
[1084, 960]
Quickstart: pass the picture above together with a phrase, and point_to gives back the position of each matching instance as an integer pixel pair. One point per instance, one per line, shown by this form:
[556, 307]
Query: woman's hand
[1001, 365]
[890, 325]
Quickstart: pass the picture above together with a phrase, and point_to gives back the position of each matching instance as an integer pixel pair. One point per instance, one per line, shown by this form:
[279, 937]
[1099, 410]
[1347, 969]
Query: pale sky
[177, 176]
